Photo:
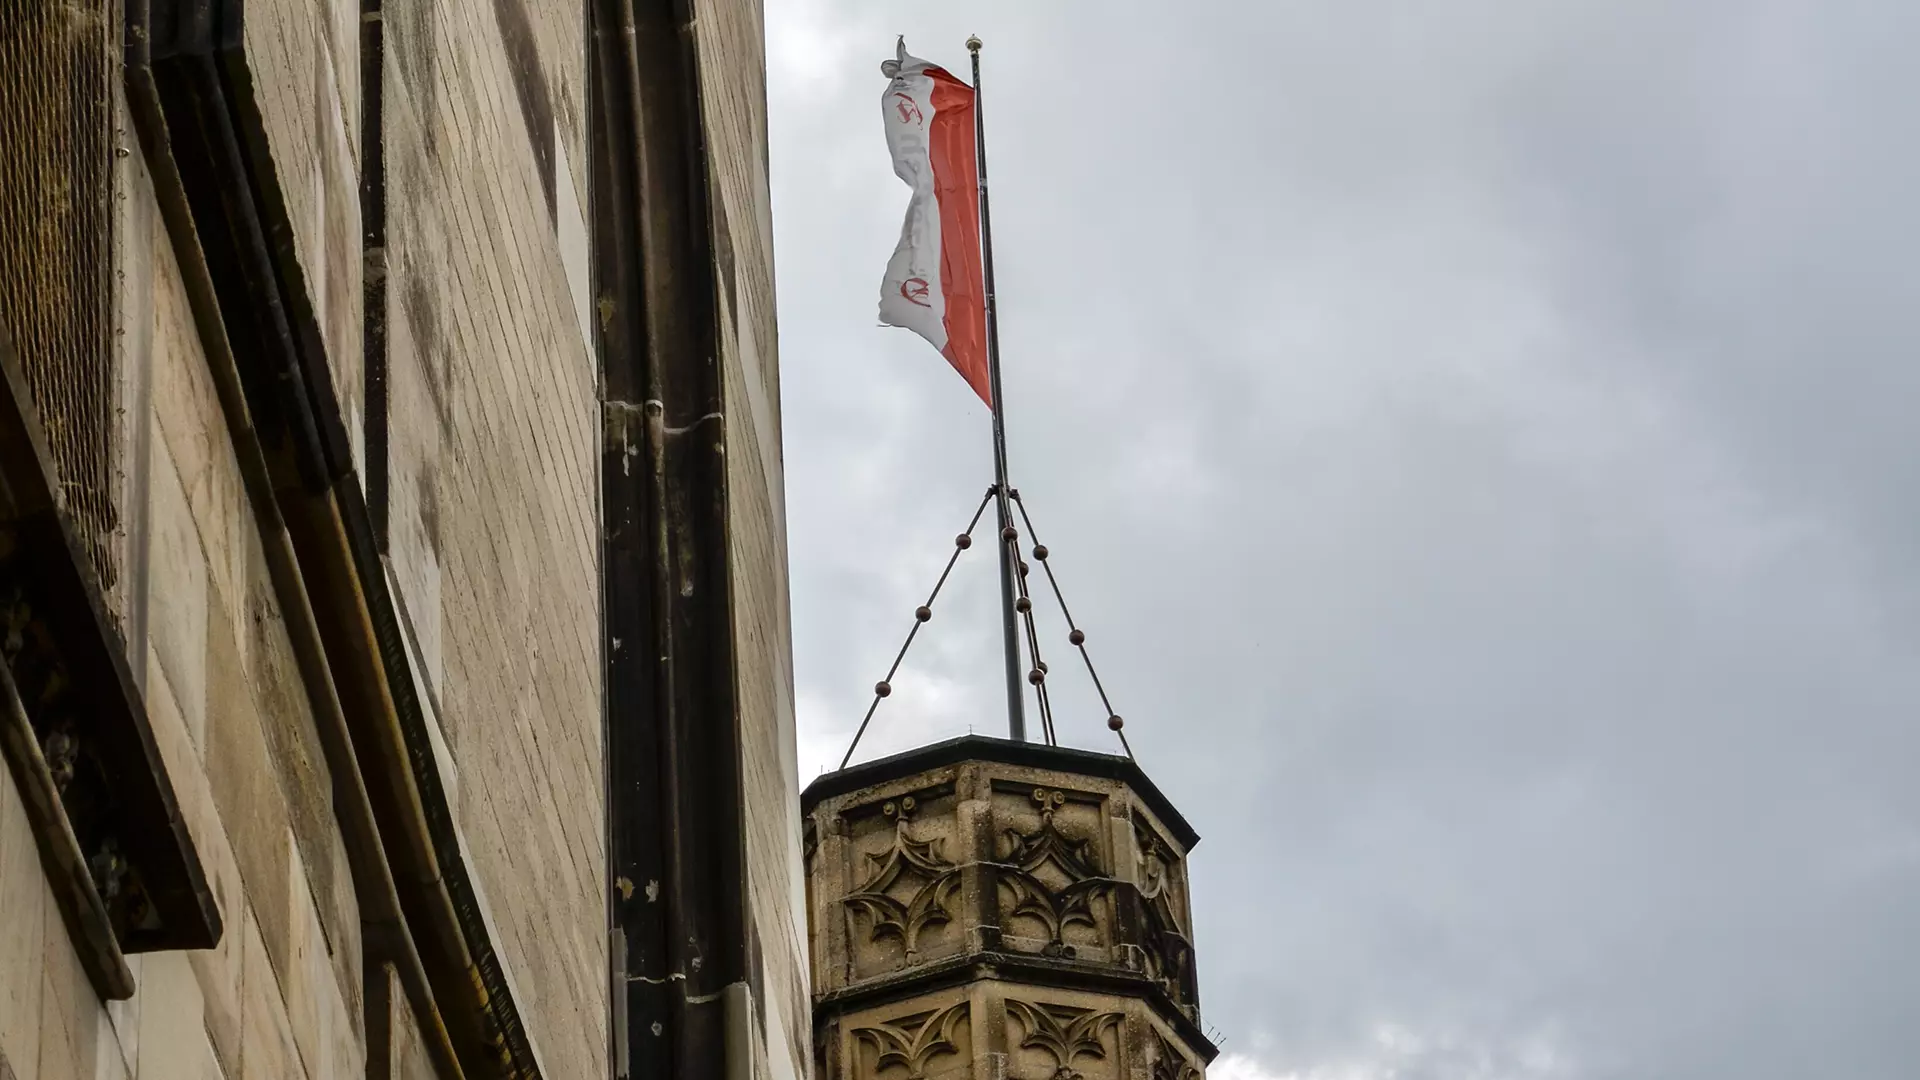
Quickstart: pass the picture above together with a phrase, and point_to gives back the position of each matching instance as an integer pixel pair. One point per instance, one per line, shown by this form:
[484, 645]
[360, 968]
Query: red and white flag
[934, 283]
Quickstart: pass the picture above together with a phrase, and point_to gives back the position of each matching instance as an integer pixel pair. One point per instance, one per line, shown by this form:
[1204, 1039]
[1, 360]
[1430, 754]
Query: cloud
[1396, 1053]
[1236, 1067]
[1477, 440]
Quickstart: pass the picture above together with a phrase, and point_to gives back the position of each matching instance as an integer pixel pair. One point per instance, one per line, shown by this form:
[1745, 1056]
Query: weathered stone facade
[359, 580]
[989, 909]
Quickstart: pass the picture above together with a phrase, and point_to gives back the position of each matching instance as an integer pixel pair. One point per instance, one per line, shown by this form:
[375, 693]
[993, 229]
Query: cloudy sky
[1477, 437]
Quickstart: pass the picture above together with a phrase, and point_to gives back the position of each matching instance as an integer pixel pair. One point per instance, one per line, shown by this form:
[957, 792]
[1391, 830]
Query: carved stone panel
[1002, 1030]
[1052, 874]
[902, 909]
[1170, 1062]
[1164, 939]
[924, 1044]
[1052, 1041]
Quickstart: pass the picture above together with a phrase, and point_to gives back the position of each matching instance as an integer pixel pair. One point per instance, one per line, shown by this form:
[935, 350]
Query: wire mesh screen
[57, 62]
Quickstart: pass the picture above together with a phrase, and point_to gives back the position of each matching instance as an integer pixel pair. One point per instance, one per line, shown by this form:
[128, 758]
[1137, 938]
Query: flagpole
[1009, 537]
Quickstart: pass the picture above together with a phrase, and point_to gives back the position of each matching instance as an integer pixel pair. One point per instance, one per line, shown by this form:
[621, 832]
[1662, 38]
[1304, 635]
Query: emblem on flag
[933, 284]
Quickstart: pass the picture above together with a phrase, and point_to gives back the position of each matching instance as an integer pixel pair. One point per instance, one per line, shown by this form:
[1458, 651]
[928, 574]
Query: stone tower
[998, 910]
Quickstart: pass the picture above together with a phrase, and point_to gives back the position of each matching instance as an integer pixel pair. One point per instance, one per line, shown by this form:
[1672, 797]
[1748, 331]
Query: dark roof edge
[1004, 752]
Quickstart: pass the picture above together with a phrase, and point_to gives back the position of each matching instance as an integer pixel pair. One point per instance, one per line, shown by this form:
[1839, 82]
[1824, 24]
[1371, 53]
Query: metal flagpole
[1009, 536]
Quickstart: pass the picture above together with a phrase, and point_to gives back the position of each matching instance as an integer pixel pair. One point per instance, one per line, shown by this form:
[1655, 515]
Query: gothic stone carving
[1052, 877]
[1168, 950]
[913, 1041]
[1067, 1034]
[910, 885]
[1169, 1063]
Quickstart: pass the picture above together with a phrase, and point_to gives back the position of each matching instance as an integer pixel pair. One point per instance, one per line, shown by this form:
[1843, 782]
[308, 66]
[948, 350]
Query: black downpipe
[373, 245]
[675, 833]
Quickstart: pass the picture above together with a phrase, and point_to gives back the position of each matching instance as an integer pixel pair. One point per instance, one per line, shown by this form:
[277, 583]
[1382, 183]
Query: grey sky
[1477, 438]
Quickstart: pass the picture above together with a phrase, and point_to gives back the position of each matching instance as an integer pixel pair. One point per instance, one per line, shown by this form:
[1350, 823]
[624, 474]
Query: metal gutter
[677, 847]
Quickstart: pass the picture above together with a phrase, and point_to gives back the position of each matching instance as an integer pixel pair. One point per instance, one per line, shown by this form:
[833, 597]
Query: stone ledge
[1015, 968]
[982, 748]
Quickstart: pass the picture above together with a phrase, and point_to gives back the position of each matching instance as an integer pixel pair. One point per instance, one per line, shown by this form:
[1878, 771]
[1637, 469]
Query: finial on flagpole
[973, 43]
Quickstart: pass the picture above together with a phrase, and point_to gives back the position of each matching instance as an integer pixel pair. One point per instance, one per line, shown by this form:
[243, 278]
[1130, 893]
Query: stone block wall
[282, 994]
[733, 97]
[493, 445]
[304, 56]
[461, 312]
[492, 557]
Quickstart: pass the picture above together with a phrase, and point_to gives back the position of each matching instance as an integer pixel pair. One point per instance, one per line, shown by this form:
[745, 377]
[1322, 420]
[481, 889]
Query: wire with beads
[1023, 605]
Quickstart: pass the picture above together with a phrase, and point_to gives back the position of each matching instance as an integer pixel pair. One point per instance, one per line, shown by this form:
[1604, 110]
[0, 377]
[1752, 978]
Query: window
[73, 725]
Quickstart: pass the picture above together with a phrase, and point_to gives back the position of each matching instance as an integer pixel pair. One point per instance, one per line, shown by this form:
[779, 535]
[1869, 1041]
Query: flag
[934, 283]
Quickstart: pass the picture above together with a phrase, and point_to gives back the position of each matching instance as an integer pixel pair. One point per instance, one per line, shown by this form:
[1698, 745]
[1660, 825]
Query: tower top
[983, 907]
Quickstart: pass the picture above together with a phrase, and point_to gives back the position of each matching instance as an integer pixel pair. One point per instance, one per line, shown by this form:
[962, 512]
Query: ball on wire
[1036, 676]
[963, 541]
[923, 613]
[1078, 637]
[882, 688]
[1023, 605]
[1114, 723]
[1040, 552]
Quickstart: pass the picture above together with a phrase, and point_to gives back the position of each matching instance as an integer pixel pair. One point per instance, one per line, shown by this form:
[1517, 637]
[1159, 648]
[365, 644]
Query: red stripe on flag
[956, 179]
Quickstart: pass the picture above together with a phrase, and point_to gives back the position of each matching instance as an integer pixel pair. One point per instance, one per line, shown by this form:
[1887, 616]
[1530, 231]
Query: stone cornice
[1005, 752]
[1024, 970]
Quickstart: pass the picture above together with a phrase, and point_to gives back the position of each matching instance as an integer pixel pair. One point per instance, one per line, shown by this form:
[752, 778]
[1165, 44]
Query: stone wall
[281, 996]
[494, 492]
[305, 60]
[461, 312]
[733, 96]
